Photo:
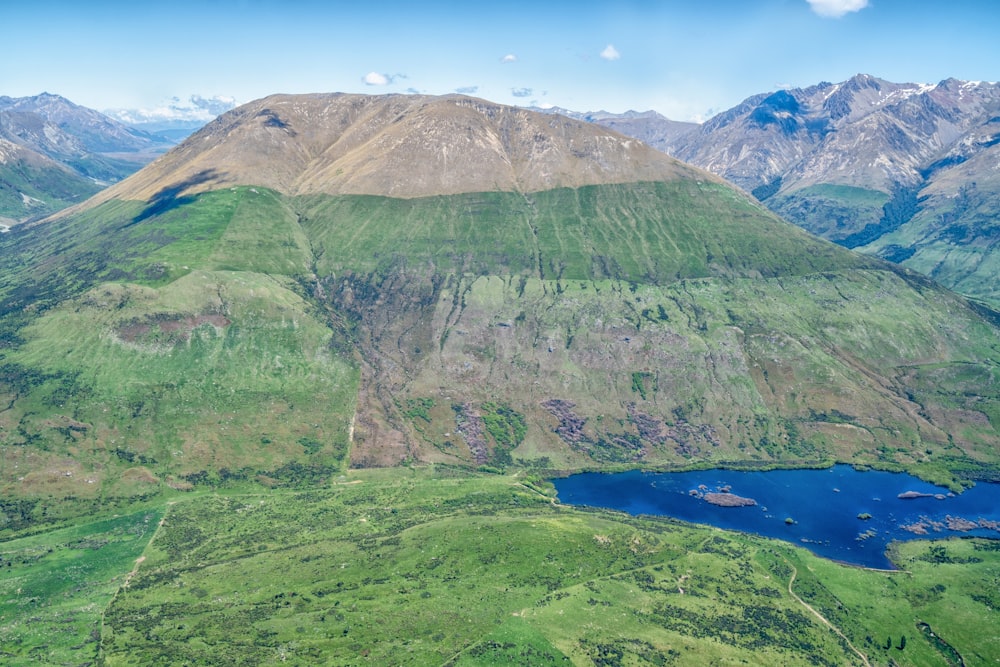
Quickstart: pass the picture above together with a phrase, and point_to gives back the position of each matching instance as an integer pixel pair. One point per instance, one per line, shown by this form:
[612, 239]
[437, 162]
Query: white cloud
[509, 58]
[467, 90]
[836, 8]
[376, 79]
[521, 92]
[610, 53]
[215, 105]
[193, 109]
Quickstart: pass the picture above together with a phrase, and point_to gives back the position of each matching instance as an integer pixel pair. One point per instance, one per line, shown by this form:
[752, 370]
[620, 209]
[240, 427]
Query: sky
[687, 59]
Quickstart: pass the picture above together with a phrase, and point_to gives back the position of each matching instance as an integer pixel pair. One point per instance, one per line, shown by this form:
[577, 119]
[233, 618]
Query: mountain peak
[402, 146]
[865, 81]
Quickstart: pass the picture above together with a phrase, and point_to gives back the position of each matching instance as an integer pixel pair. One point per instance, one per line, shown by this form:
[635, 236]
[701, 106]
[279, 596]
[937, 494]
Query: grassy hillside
[128, 372]
[645, 232]
[228, 361]
[946, 229]
[33, 188]
[953, 239]
[834, 212]
[815, 368]
[240, 334]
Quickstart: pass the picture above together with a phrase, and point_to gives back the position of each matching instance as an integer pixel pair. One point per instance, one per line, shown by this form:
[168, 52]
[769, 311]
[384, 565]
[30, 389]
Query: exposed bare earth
[178, 326]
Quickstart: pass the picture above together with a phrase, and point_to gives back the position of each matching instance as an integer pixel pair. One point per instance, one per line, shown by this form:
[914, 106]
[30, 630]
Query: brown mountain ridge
[399, 146]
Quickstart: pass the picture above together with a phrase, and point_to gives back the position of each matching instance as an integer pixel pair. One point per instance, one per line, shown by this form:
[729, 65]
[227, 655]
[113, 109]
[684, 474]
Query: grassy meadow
[434, 566]
[55, 586]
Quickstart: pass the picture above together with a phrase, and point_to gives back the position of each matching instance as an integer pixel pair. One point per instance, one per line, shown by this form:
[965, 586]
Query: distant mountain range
[649, 126]
[904, 171]
[54, 153]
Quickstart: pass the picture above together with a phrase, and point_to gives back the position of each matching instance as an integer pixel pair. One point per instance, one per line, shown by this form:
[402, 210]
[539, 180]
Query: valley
[54, 153]
[432, 565]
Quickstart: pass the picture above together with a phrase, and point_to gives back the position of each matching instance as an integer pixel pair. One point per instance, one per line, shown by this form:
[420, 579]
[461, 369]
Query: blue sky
[686, 59]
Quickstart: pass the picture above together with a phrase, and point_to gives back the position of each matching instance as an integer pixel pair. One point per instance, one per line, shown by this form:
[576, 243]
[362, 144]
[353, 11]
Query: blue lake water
[823, 505]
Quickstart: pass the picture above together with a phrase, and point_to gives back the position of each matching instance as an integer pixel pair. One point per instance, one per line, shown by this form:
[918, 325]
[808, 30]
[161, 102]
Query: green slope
[945, 229]
[146, 353]
[30, 190]
[953, 239]
[240, 353]
[646, 232]
[243, 335]
[834, 212]
[804, 369]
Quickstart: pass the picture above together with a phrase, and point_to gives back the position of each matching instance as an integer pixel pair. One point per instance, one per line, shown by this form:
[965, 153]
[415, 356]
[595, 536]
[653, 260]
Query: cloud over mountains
[194, 109]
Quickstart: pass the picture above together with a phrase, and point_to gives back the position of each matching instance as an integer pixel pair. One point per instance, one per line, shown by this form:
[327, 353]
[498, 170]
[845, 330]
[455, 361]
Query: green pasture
[434, 566]
[55, 586]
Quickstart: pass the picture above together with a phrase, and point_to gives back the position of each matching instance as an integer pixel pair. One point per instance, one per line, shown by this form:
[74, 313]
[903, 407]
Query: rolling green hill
[242, 347]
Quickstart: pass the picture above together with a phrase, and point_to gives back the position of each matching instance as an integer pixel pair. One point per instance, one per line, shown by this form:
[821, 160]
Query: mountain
[58, 153]
[403, 146]
[902, 171]
[408, 278]
[33, 185]
[648, 126]
[311, 368]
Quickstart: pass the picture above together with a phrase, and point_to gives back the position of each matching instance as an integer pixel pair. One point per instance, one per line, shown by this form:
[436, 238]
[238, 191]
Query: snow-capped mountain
[175, 119]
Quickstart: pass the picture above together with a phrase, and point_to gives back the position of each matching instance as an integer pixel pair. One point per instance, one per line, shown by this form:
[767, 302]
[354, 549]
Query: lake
[838, 513]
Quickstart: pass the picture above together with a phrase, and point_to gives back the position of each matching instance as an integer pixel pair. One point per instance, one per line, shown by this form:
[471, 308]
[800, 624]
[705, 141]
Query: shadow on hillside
[170, 197]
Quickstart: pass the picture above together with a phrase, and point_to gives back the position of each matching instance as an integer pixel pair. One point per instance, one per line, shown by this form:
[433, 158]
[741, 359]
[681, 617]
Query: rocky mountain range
[55, 153]
[903, 171]
[650, 127]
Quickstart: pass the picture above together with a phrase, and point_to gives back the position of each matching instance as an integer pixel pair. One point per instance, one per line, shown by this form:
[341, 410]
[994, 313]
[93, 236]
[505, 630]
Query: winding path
[822, 618]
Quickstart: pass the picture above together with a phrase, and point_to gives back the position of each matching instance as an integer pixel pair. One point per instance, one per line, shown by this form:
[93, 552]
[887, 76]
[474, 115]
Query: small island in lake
[910, 495]
[728, 500]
